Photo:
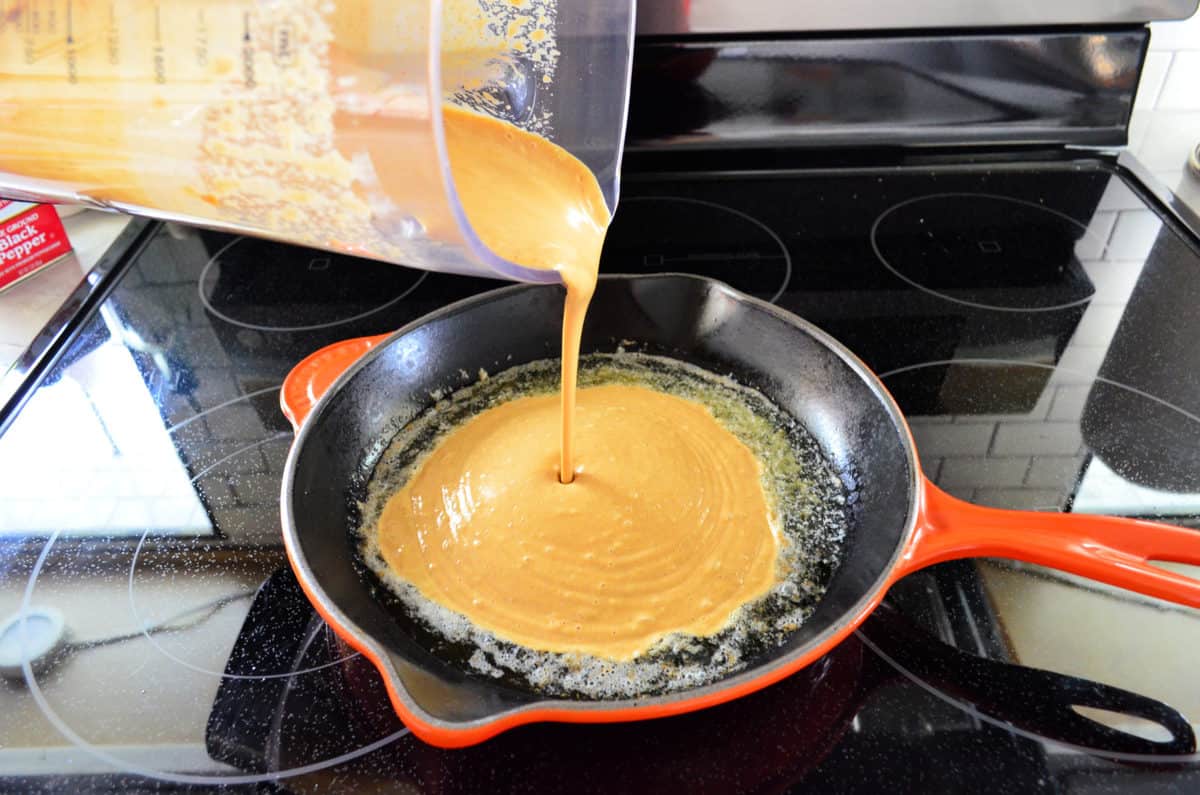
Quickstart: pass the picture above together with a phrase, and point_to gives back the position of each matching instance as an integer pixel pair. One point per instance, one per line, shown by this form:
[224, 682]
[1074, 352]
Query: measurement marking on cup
[24, 25]
[201, 39]
[282, 41]
[160, 53]
[72, 53]
[247, 53]
[113, 37]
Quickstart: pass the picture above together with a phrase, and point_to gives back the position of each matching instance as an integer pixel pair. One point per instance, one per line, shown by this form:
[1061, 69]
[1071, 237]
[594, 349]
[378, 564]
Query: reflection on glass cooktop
[1033, 321]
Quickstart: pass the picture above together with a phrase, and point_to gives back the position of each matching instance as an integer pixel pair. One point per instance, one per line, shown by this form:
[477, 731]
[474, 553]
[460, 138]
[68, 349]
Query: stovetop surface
[1036, 323]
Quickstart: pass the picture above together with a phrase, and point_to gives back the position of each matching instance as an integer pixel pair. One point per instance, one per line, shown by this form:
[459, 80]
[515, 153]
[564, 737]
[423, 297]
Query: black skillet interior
[689, 318]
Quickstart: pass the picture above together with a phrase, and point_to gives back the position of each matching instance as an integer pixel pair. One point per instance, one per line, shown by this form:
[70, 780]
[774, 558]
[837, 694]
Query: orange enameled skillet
[349, 399]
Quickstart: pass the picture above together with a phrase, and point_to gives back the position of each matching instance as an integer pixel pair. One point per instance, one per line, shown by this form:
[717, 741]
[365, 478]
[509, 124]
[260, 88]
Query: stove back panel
[676, 17]
[942, 89]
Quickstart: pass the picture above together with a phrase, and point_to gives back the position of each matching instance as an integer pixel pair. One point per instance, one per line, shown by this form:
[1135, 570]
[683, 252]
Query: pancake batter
[665, 529]
[805, 500]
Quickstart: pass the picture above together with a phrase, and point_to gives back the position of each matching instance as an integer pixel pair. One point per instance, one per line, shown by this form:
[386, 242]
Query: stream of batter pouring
[657, 524]
[535, 204]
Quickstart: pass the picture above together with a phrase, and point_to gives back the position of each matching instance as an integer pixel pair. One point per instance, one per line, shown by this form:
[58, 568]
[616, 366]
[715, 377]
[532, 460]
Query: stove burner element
[114, 755]
[176, 648]
[261, 285]
[700, 237]
[160, 635]
[985, 251]
[1069, 419]
[1165, 759]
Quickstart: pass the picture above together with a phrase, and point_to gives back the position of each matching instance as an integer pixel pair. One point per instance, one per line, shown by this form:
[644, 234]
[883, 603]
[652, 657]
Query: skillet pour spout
[348, 400]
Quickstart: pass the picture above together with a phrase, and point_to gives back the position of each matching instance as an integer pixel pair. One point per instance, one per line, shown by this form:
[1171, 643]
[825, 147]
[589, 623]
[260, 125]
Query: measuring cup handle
[313, 376]
[1109, 549]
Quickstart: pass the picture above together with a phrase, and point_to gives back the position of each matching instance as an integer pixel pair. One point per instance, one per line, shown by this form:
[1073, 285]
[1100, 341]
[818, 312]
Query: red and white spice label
[31, 237]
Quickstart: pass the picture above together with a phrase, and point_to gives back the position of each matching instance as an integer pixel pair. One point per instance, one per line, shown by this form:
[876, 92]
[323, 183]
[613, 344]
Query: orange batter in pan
[665, 529]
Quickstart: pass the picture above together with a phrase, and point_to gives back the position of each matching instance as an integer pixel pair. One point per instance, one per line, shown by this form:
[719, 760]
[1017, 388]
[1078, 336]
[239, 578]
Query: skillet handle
[311, 378]
[1105, 548]
[1030, 699]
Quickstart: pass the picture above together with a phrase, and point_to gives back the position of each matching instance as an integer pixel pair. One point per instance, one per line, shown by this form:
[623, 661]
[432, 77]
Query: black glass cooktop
[1036, 323]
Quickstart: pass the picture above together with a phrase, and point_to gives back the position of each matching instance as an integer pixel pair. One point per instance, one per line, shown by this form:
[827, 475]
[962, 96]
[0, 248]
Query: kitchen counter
[26, 307]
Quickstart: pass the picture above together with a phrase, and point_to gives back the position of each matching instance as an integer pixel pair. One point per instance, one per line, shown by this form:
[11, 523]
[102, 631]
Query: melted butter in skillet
[666, 528]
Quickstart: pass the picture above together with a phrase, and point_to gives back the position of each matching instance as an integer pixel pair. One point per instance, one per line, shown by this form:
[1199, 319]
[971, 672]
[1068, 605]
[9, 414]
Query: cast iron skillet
[347, 405]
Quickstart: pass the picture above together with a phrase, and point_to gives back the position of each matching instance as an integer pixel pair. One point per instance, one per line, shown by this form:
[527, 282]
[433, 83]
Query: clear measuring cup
[316, 122]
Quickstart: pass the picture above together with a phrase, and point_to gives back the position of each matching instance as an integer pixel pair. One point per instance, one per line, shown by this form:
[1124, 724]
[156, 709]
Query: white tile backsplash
[1183, 35]
[1069, 402]
[1044, 438]
[1183, 184]
[1078, 364]
[1181, 90]
[1133, 235]
[1112, 281]
[1094, 241]
[1187, 188]
[1099, 322]
[983, 472]
[1139, 125]
[1053, 472]
[1020, 499]
[1165, 125]
[936, 441]
[1168, 138]
[1118, 196]
[1154, 74]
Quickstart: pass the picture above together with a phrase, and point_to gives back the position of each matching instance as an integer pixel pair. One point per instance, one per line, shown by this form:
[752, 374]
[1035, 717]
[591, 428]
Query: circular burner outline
[973, 712]
[787, 257]
[967, 708]
[183, 778]
[976, 361]
[140, 622]
[121, 765]
[874, 236]
[125, 766]
[186, 422]
[204, 299]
